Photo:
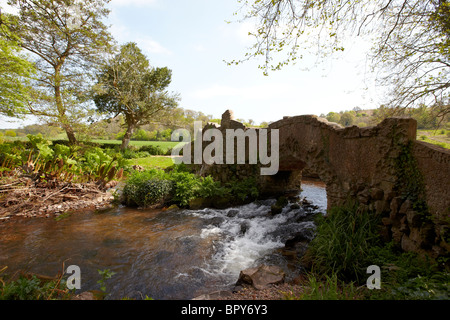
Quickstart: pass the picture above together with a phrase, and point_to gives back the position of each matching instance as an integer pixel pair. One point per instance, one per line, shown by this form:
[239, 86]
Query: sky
[193, 39]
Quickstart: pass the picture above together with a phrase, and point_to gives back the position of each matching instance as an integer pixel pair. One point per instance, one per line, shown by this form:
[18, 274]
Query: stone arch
[304, 143]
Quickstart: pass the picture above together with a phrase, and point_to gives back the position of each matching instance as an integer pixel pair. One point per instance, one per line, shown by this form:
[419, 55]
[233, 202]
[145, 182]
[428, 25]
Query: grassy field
[439, 137]
[165, 145]
[153, 162]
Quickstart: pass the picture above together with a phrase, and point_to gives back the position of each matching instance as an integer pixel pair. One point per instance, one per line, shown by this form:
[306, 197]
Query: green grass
[437, 137]
[165, 145]
[153, 162]
[343, 243]
[347, 242]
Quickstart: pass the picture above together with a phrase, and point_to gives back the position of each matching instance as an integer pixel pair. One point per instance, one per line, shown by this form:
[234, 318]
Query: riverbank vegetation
[55, 175]
[178, 186]
[347, 243]
[31, 287]
[28, 286]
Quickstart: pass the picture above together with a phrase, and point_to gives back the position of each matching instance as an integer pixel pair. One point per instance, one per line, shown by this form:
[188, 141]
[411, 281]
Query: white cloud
[123, 35]
[151, 46]
[120, 32]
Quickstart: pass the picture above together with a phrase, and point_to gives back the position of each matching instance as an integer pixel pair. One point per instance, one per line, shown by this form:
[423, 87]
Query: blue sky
[193, 39]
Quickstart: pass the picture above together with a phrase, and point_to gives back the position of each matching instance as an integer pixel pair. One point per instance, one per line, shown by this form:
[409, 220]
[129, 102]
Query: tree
[128, 85]
[347, 119]
[15, 70]
[411, 41]
[334, 117]
[66, 39]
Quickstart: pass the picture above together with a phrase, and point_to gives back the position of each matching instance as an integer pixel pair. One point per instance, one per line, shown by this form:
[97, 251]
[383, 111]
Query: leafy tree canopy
[128, 85]
[66, 40]
[15, 71]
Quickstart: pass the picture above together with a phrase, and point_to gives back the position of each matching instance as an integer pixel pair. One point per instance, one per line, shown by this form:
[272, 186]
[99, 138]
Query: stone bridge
[382, 168]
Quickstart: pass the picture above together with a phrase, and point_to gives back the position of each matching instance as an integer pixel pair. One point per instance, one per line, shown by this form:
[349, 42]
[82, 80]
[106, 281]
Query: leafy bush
[32, 289]
[41, 145]
[147, 192]
[147, 188]
[406, 275]
[153, 150]
[186, 187]
[141, 135]
[12, 154]
[210, 188]
[10, 133]
[60, 161]
[246, 189]
[142, 154]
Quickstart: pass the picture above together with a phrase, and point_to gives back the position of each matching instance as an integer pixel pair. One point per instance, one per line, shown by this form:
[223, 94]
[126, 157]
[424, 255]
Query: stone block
[396, 234]
[386, 221]
[409, 245]
[364, 197]
[381, 206]
[414, 218]
[377, 194]
[385, 234]
[404, 225]
[261, 277]
[395, 205]
[407, 205]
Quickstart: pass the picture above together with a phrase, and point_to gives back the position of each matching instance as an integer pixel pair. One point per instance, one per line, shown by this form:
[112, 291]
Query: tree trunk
[62, 117]
[127, 137]
[70, 135]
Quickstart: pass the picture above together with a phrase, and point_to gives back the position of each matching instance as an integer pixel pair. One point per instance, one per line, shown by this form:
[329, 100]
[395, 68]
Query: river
[177, 254]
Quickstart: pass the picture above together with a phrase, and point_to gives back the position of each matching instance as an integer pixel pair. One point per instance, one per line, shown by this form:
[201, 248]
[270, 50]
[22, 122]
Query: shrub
[141, 135]
[147, 188]
[362, 124]
[209, 188]
[244, 190]
[129, 154]
[186, 187]
[153, 150]
[10, 133]
[32, 289]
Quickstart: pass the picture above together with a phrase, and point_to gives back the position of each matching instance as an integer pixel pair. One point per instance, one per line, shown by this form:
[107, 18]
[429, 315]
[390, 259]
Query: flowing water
[176, 254]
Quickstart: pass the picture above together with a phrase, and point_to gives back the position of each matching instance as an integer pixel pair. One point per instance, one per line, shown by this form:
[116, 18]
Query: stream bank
[166, 255]
[22, 197]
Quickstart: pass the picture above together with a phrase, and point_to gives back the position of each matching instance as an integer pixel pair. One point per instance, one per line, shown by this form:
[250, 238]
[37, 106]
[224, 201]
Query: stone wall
[434, 164]
[382, 168]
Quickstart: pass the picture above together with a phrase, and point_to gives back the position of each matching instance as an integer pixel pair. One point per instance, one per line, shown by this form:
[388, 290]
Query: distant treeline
[427, 118]
[113, 129]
